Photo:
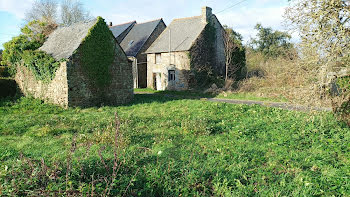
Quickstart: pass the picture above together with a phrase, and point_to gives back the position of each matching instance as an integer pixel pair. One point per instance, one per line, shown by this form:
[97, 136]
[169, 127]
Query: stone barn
[137, 40]
[187, 53]
[93, 71]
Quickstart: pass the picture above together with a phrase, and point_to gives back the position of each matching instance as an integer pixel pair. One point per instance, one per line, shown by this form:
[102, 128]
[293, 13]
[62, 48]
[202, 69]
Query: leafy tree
[235, 54]
[271, 43]
[1, 56]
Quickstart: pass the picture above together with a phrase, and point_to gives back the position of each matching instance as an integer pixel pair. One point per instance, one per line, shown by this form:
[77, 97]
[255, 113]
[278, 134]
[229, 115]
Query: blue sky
[241, 17]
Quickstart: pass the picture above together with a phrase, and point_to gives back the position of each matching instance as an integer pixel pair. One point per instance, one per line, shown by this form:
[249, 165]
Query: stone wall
[121, 89]
[83, 92]
[55, 92]
[72, 88]
[178, 61]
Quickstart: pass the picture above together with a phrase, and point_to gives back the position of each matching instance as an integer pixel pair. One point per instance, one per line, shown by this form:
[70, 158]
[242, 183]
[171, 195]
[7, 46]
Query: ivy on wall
[42, 65]
[202, 58]
[97, 53]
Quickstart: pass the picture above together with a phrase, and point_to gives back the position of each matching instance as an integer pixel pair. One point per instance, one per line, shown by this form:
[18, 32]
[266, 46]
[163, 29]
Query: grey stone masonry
[71, 87]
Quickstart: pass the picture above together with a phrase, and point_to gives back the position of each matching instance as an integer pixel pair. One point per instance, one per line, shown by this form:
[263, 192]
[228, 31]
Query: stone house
[138, 39]
[186, 50]
[121, 30]
[75, 84]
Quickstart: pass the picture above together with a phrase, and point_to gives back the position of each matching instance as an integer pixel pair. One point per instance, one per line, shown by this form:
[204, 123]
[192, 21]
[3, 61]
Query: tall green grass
[168, 146]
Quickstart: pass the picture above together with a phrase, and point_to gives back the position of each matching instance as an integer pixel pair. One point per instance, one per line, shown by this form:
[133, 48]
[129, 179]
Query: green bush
[12, 54]
[344, 82]
[4, 71]
[341, 104]
[42, 65]
[22, 51]
[8, 88]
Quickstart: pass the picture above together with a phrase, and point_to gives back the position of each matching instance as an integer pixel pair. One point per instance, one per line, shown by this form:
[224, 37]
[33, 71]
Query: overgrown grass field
[170, 147]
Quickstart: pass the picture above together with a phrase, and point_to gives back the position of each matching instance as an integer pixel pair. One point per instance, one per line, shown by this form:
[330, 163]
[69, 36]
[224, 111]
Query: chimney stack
[206, 14]
[110, 24]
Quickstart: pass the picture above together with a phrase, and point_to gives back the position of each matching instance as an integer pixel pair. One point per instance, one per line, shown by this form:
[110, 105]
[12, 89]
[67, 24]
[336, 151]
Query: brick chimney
[206, 14]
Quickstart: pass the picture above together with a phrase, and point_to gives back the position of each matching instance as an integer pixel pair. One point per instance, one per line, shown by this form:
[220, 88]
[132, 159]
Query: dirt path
[286, 106]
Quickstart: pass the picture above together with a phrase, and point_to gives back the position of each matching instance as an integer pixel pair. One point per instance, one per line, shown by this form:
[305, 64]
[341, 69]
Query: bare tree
[234, 53]
[42, 10]
[72, 11]
[324, 29]
[229, 48]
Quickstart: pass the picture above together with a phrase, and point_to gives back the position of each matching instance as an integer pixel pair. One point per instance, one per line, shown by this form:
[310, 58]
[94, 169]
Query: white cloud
[16, 7]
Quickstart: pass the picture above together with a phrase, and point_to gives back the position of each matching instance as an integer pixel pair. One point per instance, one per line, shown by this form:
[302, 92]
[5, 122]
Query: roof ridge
[186, 18]
[161, 19]
[134, 21]
[150, 21]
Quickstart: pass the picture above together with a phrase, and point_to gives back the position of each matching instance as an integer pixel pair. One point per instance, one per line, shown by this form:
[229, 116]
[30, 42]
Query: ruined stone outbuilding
[73, 84]
[138, 38]
[187, 51]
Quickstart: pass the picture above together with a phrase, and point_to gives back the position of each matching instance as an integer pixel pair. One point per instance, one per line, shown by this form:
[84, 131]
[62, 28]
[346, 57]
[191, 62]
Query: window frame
[159, 59]
[170, 74]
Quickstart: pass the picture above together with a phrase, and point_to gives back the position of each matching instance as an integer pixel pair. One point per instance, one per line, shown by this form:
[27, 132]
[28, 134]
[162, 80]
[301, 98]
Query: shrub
[42, 65]
[341, 104]
[4, 71]
[12, 54]
[280, 77]
[21, 51]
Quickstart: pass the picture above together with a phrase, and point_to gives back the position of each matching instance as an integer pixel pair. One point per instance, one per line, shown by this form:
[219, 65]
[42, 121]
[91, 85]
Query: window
[171, 75]
[158, 58]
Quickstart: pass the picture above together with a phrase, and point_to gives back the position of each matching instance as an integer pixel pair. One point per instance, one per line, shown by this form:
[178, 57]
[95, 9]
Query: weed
[168, 146]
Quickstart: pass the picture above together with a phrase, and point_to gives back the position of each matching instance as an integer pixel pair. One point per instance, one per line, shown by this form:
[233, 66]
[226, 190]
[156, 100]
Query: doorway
[157, 85]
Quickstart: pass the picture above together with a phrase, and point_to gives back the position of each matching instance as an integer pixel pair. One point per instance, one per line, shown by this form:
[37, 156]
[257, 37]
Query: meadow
[171, 146]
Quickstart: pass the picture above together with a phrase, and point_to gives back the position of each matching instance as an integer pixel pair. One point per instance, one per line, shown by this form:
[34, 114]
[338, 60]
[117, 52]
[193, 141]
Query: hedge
[4, 71]
[8, 88]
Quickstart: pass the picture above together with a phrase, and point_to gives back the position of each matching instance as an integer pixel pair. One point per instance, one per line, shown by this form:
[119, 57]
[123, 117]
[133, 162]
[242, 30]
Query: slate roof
[117, 30]
[65, 40]
[138, 36]
[183, 33]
